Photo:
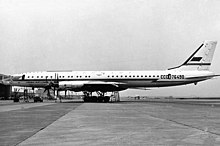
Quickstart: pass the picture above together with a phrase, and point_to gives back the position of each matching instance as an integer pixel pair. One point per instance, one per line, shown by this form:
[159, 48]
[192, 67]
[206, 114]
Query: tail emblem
[201, 59]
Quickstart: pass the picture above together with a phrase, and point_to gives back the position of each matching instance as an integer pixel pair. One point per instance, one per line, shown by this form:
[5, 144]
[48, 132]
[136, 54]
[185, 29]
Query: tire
[106, 99]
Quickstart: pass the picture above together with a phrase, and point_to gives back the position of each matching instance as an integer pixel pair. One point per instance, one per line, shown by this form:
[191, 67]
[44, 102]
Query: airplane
[195, 69]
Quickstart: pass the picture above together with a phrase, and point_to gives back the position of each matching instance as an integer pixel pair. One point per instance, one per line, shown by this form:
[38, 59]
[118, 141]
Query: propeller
[54, 84]
[47, 88]
[54, 88]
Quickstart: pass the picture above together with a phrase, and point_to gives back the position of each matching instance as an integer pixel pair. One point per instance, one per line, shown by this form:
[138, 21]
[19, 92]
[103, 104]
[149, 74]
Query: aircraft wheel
[106, 99]
[86, 99]
[94, 99]
[100, 99]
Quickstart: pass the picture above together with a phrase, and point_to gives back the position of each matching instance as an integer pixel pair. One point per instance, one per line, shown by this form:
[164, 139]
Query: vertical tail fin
[201, 59]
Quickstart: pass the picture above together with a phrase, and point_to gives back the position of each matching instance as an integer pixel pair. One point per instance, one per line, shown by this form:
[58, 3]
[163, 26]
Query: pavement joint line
[187, 125]
[40, 129]
[204, 130]
[24, 106]
[184, 102]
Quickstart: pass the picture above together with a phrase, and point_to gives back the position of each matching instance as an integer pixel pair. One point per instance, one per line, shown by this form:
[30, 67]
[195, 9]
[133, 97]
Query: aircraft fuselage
[121, 79]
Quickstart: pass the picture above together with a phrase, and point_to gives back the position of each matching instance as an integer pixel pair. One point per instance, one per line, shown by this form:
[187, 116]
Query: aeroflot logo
[196, 59]
[169, 76]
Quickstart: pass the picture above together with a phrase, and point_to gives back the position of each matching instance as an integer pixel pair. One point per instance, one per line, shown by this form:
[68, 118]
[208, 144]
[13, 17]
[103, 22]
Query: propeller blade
[57, 93]
[57, 79]
[54, 90]
[55, 83]
[48, 92]
[65, 93]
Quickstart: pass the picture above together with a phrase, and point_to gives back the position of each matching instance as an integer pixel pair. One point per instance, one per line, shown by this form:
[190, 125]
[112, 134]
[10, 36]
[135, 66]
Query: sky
[96, 35]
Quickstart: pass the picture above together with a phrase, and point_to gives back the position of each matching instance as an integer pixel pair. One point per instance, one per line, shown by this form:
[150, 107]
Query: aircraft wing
[103, 86]
[92, 86]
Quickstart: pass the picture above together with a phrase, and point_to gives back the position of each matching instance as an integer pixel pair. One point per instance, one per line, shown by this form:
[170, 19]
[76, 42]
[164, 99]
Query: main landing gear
[100, 98]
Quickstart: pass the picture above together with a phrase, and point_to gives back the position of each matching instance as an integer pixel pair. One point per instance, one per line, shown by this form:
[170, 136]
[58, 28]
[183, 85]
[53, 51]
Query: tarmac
[130, 122]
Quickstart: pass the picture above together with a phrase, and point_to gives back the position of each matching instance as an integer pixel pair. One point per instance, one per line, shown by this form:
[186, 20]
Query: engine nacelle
[71, 85]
